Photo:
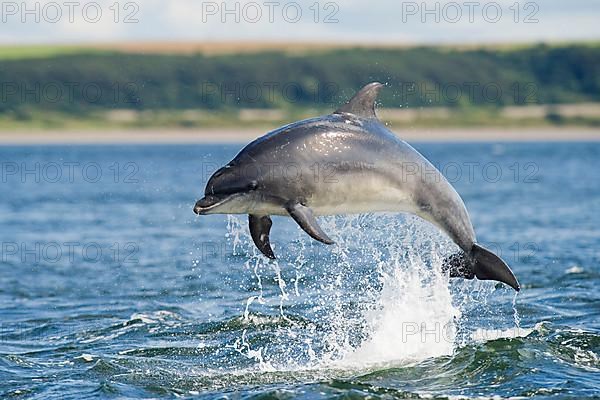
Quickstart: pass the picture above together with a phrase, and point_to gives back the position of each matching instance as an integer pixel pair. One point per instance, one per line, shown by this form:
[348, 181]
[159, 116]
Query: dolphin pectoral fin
[260, 227]
[363, 102]
[307, 221]
[481, 263]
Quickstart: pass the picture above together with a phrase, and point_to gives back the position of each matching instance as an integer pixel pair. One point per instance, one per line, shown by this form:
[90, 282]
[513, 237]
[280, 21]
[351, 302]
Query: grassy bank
[207, 85]
[555, 116]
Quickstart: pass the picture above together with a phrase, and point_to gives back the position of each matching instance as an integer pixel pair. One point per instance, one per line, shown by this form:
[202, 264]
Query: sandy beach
[166, 136]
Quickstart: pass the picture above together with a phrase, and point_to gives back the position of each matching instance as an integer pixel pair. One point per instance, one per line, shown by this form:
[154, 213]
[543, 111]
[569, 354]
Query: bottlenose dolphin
[343, 163]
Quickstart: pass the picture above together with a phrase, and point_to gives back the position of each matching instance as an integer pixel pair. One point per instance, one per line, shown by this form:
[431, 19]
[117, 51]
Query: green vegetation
[62, 87]
[41, 51]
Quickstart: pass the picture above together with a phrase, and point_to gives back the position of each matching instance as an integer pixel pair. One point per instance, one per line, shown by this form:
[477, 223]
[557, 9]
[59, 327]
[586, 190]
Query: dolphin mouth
[210, 202]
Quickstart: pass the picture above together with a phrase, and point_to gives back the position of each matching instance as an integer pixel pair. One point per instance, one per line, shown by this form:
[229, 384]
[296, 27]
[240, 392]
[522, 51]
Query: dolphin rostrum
[344, 163]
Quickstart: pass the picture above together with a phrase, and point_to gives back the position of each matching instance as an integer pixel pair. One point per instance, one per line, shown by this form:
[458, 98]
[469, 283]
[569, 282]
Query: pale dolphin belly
[354, 195]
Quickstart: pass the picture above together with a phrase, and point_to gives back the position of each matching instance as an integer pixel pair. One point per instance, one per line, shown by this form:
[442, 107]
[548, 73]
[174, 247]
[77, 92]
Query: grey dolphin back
[480, 263]
[363, 103]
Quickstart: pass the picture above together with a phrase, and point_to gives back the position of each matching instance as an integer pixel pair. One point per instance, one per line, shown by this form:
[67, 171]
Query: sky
[340, 21]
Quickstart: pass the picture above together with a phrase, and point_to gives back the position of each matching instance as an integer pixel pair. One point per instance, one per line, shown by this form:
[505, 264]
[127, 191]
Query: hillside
[82, 82]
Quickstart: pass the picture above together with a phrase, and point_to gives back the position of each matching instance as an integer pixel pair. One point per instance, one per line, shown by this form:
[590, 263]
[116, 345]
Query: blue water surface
[110, 286]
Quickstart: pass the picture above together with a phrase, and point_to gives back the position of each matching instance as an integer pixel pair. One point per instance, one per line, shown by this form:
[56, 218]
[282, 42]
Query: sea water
[110, 286]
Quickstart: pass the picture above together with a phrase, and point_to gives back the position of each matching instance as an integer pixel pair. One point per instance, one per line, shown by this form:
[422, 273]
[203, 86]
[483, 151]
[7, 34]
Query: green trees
[419, 77]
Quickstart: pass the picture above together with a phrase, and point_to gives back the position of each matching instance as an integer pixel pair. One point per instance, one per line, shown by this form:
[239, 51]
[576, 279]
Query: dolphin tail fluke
[481, 263]
[489, 266]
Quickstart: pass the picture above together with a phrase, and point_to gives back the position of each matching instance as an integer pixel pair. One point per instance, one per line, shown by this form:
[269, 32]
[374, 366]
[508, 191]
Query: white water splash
[414, 319]
[376, 298]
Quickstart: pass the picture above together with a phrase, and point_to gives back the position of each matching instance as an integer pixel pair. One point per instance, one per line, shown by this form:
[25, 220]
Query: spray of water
[413, 318]
[377, 297]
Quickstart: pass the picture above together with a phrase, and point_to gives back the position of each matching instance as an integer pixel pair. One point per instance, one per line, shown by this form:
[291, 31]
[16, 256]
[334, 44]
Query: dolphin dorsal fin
[363, 102]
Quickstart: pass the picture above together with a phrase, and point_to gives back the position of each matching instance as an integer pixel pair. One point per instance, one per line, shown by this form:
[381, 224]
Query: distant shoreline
[180, 136]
